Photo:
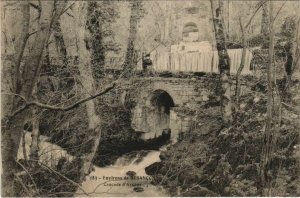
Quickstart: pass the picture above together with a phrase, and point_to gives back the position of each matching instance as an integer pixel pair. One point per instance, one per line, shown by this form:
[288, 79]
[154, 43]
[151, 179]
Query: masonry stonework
[172, 103]
[184, 96]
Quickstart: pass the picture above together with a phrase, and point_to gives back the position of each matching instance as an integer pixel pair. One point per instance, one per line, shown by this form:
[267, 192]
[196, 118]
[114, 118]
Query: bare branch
[279, 11]
[253, 15]
[65, 10]
[69, 14]
[31, 178]
[32, 33]
[22, 184]
[52, 107]
[69, 180]
[35, 6]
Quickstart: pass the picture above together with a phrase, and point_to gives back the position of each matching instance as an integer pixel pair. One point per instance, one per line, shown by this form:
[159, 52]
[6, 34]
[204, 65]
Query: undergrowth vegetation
[213, 160]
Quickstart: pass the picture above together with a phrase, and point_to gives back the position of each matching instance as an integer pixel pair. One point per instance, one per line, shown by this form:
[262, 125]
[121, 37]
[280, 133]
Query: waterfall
[108, 181]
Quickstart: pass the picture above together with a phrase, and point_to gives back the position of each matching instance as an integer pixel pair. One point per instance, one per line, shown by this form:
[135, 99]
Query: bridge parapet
[198, 61]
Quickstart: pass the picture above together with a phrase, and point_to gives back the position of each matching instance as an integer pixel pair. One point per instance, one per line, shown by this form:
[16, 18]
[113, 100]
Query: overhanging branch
[254, 13]
[67, 108]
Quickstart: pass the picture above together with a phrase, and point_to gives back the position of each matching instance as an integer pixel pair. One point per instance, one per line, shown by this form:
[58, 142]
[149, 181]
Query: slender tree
[101, 15]
[244, 29]
[20, 38]
[12, 129]
[296, 50]
[60, 43]
[268, 143]
[224, 65]
[88, 82]
[265, 20]
[131, 56]
[290, 33]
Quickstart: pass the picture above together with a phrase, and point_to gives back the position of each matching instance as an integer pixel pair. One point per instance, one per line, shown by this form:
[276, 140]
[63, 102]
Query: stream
[113, 181]
[109, 181]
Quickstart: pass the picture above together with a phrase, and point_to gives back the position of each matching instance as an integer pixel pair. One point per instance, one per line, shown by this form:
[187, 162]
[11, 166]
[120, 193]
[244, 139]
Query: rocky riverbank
[117, 136]
[218, 161]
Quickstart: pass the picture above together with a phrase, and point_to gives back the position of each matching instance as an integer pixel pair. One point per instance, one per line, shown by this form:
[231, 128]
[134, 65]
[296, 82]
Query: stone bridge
[169, 103]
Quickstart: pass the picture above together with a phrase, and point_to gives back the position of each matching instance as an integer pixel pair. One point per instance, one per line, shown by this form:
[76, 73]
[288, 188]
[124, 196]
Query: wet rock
[61, 163]
[164, 155]
[140, 156]
[153, 168]
[131, 173]
[138, 189]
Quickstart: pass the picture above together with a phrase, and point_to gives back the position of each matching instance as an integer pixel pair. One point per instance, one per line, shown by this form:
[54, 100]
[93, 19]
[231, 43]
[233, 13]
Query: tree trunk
[241, 67]
[296, 50]
[60, 43]
[224, 66]
[265, 20]
[20, 42]
[34, 62]
[10, 141]
[88, 83]
[35, 135]
[268, 136]
[12, 130]
[46, 58]
[131, 56]
[10, 138]
[14, 52]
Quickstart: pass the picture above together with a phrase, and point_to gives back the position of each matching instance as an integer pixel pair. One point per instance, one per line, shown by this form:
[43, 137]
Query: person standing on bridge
[146, 62]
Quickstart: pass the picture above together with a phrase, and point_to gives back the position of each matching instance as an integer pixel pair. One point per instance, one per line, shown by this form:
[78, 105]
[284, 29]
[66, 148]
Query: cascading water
[109, 181]
[115, 180]
[127, 177]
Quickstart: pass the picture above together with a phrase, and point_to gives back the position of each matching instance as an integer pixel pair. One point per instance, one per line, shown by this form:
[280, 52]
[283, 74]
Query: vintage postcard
[140, 98]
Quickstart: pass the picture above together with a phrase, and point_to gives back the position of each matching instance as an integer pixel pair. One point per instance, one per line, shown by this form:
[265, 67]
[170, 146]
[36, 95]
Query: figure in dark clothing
[146, 62]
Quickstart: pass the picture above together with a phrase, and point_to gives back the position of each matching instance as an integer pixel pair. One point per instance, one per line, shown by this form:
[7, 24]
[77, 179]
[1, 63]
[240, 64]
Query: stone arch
[154, 117]
[161, 103]
[190, 32]
[161, 98]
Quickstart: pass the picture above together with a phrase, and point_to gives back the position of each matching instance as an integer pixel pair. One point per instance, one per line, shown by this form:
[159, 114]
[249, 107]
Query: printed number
[93, 177]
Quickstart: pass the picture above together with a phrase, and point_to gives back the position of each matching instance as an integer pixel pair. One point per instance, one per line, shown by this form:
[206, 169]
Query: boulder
[153, 168]
[138, 189]
[164, 155]
[131, 173]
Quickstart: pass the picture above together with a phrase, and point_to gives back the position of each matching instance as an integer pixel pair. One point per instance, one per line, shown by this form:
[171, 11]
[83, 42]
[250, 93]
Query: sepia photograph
[150, 98]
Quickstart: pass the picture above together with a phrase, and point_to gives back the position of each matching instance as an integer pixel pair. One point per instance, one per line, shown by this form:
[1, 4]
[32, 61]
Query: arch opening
[162, 100]
[161, 104]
